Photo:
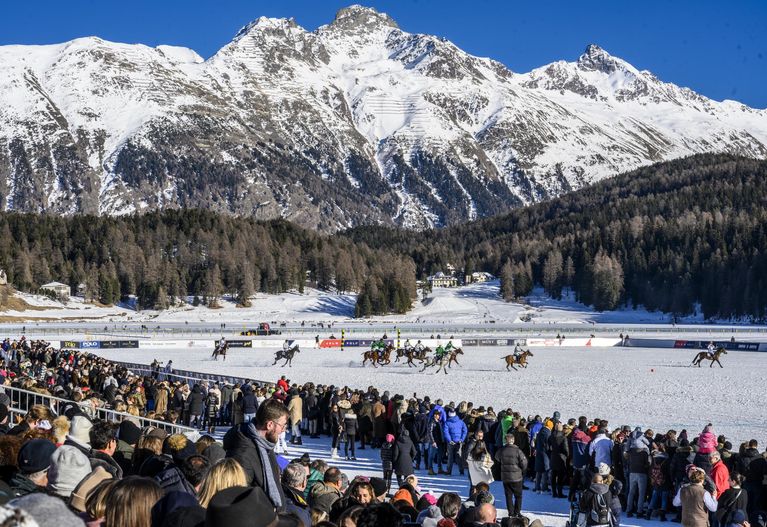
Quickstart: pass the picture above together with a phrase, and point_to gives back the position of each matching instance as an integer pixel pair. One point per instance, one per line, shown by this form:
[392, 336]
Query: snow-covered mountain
[356, 122]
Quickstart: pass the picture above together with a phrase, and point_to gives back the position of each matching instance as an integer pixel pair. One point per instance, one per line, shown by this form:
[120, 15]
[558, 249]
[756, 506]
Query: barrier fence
[22, 400]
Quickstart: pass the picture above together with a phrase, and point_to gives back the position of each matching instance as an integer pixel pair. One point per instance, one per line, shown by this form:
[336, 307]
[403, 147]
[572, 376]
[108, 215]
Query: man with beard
[252, 445]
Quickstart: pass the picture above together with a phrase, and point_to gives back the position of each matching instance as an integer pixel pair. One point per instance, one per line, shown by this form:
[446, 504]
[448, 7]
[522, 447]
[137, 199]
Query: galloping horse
[413, 355]
[384, 357]
[441, 363]
[713, 357]
[453, 357]
[520, 359]
[372, 356]
[220, 350]
[287, 355]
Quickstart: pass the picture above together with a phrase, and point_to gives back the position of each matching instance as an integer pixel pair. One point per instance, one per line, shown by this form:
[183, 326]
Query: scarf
[263, 447]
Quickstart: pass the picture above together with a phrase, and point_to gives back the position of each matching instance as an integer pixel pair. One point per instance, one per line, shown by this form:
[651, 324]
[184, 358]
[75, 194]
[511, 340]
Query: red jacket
[282, 383]
[721, 476]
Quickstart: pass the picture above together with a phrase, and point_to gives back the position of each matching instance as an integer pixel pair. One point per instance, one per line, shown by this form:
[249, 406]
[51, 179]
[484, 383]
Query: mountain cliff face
[356, 122]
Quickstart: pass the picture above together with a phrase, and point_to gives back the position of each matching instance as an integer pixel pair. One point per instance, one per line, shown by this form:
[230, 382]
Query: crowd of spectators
[71, 464]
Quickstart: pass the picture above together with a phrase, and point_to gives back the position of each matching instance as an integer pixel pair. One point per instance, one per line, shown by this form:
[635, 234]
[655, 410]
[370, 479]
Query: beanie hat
[69, 466]
[80, 430]
[47, 511]
[129, 432]
[389, 438]
[239, 506]
[403, 494]
[16, 517]
[430, 498]
[86, 486]
[379, 486]
[604, 469]
[738, 517]
[35, 456]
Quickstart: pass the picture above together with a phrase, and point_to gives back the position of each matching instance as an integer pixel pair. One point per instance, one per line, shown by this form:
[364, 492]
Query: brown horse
[713, 357]
[413, 355]
[384, 357]
[520, 359]
[220, 350]
[453, 357]
[372, 356]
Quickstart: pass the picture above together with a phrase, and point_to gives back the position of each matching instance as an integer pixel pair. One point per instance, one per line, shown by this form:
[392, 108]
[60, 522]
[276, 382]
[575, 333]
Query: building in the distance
[441, 279]
[57, 288]
[478, 277]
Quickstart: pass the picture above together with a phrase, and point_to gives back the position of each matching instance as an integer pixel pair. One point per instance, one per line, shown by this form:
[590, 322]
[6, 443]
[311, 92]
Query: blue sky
[718, 48]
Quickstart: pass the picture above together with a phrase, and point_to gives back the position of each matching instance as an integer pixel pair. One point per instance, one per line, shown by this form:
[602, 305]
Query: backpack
[657, 478]
[600, 511]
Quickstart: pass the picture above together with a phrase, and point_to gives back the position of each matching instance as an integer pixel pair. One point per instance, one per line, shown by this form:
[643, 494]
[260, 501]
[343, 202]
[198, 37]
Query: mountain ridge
[356, 122]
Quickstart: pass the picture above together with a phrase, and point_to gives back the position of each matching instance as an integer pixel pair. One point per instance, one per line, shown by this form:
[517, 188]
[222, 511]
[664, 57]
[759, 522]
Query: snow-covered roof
[54, 284]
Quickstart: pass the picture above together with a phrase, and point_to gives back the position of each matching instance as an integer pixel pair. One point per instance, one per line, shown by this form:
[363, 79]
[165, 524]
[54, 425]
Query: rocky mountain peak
[358, 18]
[597, 59]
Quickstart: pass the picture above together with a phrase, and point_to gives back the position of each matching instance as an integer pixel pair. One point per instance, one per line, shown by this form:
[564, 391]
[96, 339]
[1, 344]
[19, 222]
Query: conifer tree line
[683, 236]
[163, 257]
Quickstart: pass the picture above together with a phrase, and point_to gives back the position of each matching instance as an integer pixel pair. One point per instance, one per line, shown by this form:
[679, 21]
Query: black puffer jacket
[559, 451]
[513, 463]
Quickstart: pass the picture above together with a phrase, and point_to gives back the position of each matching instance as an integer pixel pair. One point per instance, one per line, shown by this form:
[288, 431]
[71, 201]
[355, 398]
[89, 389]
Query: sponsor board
[237, 343]
[330, 343]
[119, 344]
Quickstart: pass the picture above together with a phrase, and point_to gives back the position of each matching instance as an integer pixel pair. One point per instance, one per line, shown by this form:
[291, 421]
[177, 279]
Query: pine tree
[552, 274]
[607, 280]
[245, 287]
[507, 281]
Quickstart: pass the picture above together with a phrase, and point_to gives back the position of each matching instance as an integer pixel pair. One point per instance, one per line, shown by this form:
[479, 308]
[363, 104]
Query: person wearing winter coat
[615, 486]
[639, 465]
[351, 427]
[695, 501]
[683, 457]
[542, 459]
[731, 500]
[480, 466]
[296, 412]
[719, 473]
[212, 405]
[579, 447]
[600, 449]
[455, 434]
[387, 460]
[437, 441]
[248, 404]
[402, 458]
[379, 422]
[559, 452]
[336, 430]
[365, 418]
[660, 482]
[196, 406]
[421, 434]
[513, 465]
[595, 502]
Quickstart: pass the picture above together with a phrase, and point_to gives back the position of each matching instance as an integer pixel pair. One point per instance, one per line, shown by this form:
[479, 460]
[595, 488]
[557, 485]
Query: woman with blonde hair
[130, 502]
[96, 504]
[223, 475]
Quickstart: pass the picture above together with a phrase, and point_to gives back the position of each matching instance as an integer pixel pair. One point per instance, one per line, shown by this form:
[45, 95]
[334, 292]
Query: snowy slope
[353, 123]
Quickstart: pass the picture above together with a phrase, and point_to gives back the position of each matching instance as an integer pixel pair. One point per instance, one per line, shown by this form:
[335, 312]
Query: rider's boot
[298, 441]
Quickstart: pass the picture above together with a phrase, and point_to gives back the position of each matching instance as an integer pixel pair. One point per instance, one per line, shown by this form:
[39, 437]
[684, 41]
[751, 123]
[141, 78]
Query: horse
[713, 357]
[520, 359]
[453, 357]
[372, 356]
[440, 362]
[413, 355]
[287, 355]
[384, 357]
[220, 350]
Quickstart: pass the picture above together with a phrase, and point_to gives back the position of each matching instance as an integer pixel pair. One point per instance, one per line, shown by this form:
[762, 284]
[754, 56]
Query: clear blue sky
[718, 48]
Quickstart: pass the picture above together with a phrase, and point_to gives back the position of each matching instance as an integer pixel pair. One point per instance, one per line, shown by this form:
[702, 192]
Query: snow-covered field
[648, 387]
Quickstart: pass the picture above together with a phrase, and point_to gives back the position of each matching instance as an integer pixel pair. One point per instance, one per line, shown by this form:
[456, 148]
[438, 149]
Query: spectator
[325, 493]
[34, 460]
[731, 501]
[402, 456]
[222, 475]
[68, 468]
[294, 480]
[86, 487]
[103, 441]
[695, 501]
[252, 445]
[513, 465]
[130, 501]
